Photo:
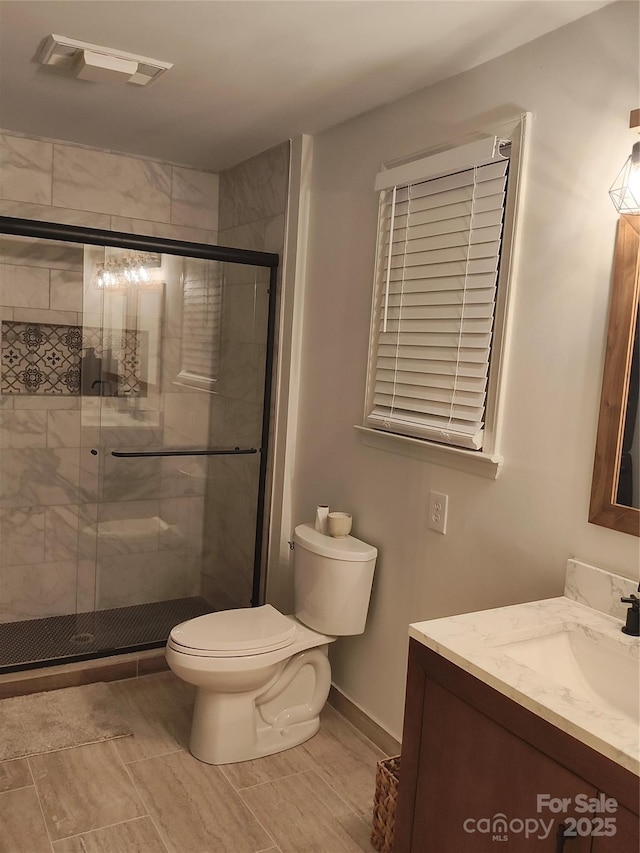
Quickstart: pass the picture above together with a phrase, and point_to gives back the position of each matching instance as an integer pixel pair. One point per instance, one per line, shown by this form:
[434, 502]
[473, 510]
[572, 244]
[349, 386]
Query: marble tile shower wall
[252, 214]
[53, 492]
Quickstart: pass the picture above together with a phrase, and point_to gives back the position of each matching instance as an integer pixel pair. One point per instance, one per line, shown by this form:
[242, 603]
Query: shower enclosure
[135, 379]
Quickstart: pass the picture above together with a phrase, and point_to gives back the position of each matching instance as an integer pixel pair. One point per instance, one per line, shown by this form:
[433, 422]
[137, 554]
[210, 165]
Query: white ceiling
[248, 73]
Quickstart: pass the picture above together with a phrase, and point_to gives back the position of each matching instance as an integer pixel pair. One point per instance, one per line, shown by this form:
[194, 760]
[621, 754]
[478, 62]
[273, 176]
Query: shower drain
[82, 639]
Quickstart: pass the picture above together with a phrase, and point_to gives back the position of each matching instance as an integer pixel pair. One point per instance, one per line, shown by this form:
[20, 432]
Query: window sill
[196, 382]
[472, 461]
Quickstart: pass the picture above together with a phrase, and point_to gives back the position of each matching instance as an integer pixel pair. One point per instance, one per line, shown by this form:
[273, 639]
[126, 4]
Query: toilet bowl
[262, 678]
[254, 702]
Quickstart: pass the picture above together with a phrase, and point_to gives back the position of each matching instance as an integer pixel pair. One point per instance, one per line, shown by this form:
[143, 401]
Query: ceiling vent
[100, 64]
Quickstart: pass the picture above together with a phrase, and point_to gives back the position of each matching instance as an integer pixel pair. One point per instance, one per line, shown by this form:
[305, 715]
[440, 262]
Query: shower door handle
[212, 451]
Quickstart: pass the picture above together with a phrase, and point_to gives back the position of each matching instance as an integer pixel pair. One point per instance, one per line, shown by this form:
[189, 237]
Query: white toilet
[262, 677]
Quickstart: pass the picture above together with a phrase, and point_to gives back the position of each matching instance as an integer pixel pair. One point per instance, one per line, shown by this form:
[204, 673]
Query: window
[201, 322]
[444, 244]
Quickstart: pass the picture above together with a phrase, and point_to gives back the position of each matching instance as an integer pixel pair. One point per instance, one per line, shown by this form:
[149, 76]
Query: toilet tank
[333, 578]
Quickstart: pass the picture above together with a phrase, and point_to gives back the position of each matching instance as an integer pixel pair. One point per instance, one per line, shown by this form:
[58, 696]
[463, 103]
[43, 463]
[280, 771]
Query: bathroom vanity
[521, 725]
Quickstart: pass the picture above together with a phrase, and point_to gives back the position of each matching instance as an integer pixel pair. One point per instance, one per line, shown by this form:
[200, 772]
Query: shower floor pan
[99, 633]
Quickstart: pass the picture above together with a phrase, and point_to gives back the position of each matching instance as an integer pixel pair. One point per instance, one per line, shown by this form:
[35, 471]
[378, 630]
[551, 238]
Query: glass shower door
[132, 423]
[173, 381]
[45, 494]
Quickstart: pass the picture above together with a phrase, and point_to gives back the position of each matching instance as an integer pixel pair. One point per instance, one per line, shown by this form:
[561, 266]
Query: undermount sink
[564, 660]
[591, 665]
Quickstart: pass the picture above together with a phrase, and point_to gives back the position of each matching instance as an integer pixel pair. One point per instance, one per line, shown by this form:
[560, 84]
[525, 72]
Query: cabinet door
[626, 838]
[481, 789]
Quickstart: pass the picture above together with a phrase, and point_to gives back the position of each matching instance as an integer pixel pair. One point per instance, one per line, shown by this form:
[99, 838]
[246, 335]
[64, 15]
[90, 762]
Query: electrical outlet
[438, 512]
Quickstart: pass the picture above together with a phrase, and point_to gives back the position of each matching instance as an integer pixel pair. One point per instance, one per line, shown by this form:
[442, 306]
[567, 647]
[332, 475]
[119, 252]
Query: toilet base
[232, 727]
[214, 744]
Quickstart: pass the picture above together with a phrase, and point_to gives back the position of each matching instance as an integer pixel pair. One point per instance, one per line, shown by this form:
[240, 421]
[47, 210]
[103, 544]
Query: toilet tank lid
[346, 548]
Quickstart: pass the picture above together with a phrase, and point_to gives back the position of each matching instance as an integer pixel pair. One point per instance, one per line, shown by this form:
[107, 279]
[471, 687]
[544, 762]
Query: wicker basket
[384, 805]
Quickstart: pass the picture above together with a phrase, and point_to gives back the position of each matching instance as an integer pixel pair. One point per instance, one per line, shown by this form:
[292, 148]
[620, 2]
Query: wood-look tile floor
[147, 794]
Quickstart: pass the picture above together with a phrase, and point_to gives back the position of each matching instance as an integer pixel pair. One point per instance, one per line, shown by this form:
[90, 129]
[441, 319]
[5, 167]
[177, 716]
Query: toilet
[262, 678]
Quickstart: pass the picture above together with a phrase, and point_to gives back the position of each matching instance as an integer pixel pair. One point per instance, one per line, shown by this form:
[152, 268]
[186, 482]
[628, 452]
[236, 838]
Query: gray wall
[507, 540]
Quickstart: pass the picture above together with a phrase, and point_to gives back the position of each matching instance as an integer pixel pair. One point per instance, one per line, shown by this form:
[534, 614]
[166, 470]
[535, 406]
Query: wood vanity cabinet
[626, 837]
[469, 753]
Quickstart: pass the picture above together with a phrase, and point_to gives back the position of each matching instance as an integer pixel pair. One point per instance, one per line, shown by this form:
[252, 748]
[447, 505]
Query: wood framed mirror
[616, 470]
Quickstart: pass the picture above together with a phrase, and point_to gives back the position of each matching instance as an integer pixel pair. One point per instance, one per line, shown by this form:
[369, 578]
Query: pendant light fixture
[625, 190]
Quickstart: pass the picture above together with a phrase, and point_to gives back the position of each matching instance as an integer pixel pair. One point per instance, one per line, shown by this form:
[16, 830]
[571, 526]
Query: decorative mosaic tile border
[38, 358]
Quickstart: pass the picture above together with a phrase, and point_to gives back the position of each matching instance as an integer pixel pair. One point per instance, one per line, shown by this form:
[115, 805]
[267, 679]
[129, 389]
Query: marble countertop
[475, 643]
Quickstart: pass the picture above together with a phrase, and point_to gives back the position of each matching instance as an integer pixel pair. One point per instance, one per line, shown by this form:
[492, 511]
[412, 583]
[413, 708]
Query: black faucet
[102, 383]
[632, 626]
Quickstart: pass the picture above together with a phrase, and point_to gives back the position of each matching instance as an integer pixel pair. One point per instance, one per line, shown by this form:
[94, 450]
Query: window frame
[486, 461]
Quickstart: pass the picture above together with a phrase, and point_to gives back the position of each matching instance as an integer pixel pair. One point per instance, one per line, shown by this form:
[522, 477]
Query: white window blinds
[201, 321]
[437, 267]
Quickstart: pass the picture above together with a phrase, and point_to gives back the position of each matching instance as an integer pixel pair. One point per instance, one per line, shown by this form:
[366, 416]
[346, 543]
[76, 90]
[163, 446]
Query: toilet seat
[234, 633]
